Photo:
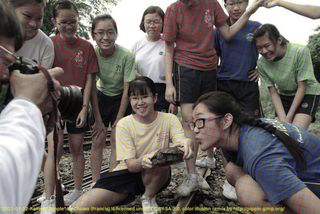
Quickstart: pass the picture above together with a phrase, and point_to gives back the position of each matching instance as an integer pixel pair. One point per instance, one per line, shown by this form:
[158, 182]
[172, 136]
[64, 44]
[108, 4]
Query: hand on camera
[34, 88]
[146, 160]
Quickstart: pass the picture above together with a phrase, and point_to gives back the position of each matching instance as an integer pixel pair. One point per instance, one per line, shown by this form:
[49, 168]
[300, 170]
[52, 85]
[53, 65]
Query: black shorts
[162, 104]
[72, 129]
[109, 107]
[309, 105]
[125, 182]
[245, 93]
[190, 83]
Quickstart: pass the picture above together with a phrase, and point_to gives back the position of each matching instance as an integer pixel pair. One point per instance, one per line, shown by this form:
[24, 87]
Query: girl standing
[77, 57]
[117, 69]
[149, 55]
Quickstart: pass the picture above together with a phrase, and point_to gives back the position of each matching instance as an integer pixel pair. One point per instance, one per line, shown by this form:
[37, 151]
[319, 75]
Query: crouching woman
[138, 137]
[277, 163]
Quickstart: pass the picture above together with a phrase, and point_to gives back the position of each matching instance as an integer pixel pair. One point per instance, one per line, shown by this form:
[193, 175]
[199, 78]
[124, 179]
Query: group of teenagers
[268, 162]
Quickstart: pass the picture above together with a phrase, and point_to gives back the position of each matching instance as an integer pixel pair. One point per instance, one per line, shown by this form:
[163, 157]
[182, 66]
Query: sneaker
[72, 196]
[229, 191]
[48, 206]
[149, 205]
[202, 183]
[206, 162]
[41, 198]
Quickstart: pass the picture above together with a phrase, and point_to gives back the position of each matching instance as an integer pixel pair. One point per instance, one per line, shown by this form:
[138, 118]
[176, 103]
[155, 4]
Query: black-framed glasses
[201, 122]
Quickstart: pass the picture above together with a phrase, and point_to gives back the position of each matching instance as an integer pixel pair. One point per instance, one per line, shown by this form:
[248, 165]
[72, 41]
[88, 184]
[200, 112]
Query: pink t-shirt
[191, 28]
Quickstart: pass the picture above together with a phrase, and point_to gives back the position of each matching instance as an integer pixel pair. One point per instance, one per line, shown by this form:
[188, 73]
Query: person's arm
[228, 32]
[304, 201]
[123, 104]
[98, 126]
[302, 86]
[277, 104]
[22, 136]
[138, 164]
[168, 60]
[82, 116]
[309, 11]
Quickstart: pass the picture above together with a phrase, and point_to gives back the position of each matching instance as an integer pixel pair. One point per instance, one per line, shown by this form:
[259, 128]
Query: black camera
[71, 97]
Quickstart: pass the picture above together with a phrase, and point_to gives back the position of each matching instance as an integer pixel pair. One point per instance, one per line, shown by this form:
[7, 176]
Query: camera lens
[70, 103]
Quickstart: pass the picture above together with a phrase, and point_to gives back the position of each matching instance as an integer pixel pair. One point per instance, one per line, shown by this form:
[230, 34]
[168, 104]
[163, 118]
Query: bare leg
[186, 110]
[113, 158]
[76, 149]
[154, 179]
[97, 198]
[98, 145]
[302, 120]
[49, 179]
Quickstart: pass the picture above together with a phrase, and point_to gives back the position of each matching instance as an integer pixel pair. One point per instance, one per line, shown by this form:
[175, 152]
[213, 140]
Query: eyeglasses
[201, 122]
[143, 98]
[150, 22]
[235, 3]
[65, 24]
[103, 33]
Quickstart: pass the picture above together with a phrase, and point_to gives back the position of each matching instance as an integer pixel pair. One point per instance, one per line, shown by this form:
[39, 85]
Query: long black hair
[222, 103]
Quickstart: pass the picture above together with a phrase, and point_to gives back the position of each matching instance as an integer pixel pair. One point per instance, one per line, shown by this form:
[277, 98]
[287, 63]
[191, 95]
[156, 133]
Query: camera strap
[60, 206]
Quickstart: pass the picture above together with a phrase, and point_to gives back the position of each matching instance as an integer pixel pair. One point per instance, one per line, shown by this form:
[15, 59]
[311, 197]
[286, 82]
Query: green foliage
[314, 46]
[87, 10]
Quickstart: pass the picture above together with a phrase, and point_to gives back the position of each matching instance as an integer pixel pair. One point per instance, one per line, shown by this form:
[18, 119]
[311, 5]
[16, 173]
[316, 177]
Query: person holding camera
[22, 126]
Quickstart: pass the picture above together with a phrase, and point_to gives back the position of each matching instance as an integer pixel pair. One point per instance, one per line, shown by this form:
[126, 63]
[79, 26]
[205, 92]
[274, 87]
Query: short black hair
[10, 26]
[141, 85]
[63, 5]
[272, 31]
[101, 18]
[151, 10]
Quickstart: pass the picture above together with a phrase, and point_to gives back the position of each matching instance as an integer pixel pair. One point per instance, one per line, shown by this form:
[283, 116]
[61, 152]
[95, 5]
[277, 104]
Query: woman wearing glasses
[149, 55]
[277, 162]
[139, 136]
[117, 69]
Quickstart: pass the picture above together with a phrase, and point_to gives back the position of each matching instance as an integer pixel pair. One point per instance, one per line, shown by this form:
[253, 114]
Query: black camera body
[71, 97]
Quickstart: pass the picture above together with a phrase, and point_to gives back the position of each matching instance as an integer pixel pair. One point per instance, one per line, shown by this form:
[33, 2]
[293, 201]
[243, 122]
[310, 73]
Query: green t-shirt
[115, 70]
[285, 74]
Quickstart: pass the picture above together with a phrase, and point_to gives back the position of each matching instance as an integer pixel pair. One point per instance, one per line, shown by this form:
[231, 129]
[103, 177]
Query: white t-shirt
[149, 57]
[39, 48]
[22, 135]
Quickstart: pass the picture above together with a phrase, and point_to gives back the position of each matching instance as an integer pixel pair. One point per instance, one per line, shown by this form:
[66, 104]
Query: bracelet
[84, 106]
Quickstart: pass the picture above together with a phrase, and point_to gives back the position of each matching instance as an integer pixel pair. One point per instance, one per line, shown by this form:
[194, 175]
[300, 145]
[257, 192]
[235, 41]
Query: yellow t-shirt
[135, 139]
